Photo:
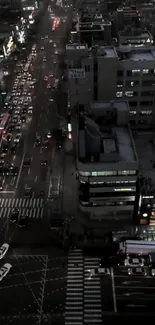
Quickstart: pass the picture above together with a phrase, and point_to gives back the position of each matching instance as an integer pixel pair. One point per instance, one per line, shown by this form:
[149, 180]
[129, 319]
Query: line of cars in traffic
[19, 109]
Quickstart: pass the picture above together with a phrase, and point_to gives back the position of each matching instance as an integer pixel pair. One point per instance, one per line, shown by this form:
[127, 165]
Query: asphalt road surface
[47, 64]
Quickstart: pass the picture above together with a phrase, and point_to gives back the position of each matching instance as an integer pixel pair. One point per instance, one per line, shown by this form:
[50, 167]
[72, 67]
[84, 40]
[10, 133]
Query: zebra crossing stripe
[74, 291]
[21, 203]
[92, 292]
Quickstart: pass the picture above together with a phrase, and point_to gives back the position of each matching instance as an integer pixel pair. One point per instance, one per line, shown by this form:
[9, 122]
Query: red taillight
[70, 136]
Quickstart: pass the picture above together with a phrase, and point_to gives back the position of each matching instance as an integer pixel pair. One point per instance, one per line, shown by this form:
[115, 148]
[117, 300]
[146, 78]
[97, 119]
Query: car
[42, 48]
[27, 160]
[45, 144]
[49, 135]
[2, 159]
[5, 149]
[13, 170]
[17, 138]
[98, 271]
[44, 59]
[18, 127]
[38, 141]
[13, 148]
[54, 44]
[43, 163]
[23, 118]
[3, 250]
[30, 110]
[137, 271]
[23, 221]
[49, 86]
[134, 261]
[45, 78]
[4, 270]
[28, 192]
[8, 137]
[56, 52]
[14, 215]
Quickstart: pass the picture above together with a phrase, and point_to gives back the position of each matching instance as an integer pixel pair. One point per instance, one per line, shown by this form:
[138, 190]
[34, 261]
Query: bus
[4, 119]
[141, 247]
[7, 99]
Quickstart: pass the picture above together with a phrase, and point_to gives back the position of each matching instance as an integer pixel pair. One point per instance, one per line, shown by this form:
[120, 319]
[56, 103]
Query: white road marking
[36, 178]
[20, 170]
[113, 290]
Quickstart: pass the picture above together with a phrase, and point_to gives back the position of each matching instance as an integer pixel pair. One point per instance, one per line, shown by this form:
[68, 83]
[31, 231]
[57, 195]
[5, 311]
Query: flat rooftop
[102, 138]
[145, 147]
[140, 55]
[134, 33]
[104, 51]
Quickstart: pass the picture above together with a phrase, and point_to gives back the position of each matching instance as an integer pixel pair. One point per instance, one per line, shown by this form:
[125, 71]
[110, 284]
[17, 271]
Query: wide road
[46, 67]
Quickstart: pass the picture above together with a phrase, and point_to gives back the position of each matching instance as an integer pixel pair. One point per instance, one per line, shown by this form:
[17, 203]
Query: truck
[138, 247]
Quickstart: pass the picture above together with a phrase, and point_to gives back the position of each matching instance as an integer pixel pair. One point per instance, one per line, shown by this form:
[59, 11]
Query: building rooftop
[134, 32]
[104, 51]
[148, 55]
[104, 134]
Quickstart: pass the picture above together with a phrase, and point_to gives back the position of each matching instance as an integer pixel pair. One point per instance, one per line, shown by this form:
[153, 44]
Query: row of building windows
[135, 83]
[135, 72]
[109, 173]
[141, 113]
[135, 94]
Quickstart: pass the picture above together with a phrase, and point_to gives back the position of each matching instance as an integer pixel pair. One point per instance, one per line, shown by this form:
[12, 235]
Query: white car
[49, 135]
[3, 250]
[17, 138]
[98, 271]
[30, 110]
[4, 270]
[132, 261]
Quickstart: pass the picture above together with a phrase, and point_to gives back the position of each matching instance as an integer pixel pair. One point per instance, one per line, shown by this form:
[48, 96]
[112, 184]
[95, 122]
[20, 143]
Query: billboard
[76, 73]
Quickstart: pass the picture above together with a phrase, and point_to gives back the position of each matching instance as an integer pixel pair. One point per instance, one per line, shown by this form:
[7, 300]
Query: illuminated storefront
[8, 46]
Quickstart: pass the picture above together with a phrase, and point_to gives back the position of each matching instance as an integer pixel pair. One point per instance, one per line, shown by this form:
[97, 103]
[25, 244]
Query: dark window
[147, 93]
[120, 73]
[133, 104]
[129, 73]
[146, 103]
[132, 121]
[148, 83]
[87, 68]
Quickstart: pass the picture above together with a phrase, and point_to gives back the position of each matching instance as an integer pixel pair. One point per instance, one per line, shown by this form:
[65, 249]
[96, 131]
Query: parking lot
[34, 287]
[125, 293]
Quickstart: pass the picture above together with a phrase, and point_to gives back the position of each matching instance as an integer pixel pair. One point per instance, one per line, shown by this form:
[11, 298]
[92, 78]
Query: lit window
[127, 172]
[129, 93]
[145, 112]
[84, 173]
[119, 94]
[145, 71]
[136, 71]
[124, 189]
[132, 112]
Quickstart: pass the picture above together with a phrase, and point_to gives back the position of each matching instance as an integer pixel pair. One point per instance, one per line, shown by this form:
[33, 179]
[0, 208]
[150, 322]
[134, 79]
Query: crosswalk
[83, 295]
[21, 203]
[92, 293]
[33, 207]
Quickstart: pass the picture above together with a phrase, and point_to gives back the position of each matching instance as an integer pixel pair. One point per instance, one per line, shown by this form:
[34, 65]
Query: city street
[42, 281]
[45, 69]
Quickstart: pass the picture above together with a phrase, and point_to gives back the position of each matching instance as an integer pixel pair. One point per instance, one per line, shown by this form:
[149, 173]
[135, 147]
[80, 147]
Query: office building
[107, 73]
[107, 163]
[93, 30]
